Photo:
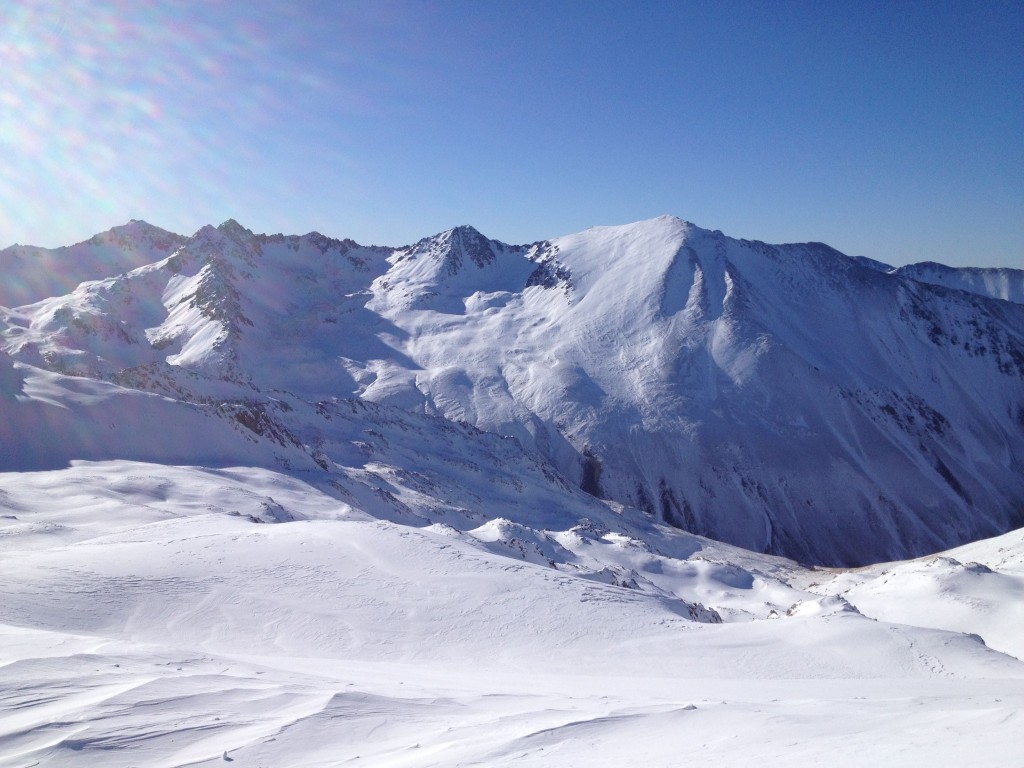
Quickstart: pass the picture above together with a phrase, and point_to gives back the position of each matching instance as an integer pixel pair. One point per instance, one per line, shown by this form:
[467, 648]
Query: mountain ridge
[32, 273]
[788, 398]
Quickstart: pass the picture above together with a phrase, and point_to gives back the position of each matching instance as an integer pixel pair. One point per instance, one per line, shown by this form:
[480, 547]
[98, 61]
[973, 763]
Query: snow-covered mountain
[999, 283]
[292, 501]
[31, 273]
[787, 399]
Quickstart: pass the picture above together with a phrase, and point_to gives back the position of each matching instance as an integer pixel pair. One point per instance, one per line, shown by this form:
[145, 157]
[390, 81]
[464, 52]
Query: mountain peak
[453, 246]
[233, 229]
[32, 273]
[668, 217]
[135, 230]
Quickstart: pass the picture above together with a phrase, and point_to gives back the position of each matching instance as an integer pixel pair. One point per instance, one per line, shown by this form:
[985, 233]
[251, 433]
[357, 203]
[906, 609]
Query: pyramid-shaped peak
[232, 227]
[459, 234]
[465, 242]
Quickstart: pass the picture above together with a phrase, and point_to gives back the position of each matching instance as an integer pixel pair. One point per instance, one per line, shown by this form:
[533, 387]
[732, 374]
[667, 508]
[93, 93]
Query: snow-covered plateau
[637, 496]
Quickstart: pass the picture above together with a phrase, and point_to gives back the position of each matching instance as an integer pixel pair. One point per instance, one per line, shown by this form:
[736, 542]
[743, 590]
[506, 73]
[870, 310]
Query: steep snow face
[31, 273]
[788, 399]
[996, 283]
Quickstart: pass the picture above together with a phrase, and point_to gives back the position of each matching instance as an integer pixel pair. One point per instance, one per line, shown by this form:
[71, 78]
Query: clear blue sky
[893, 130]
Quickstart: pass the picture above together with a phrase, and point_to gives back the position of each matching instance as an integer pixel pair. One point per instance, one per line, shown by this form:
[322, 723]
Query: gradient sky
[893, 130]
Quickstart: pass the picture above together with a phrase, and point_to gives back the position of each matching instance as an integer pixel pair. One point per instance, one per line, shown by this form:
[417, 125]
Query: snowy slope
[785, 398]
[976, 588]
[830, 409]
[172, 616]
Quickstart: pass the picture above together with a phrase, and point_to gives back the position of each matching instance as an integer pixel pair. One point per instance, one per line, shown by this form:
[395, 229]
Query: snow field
[148, 619]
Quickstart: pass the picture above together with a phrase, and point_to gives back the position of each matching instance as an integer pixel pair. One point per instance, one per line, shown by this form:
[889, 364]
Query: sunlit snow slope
[1007, 284]
[177, 616]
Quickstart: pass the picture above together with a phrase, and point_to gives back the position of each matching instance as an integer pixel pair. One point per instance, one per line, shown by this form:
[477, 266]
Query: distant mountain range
[784, 398]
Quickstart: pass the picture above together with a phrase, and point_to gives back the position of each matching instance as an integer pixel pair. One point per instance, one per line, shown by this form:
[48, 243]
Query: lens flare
[113, 106]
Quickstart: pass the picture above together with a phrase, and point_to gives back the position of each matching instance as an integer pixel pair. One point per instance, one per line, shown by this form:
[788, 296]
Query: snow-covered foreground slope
[165, 616]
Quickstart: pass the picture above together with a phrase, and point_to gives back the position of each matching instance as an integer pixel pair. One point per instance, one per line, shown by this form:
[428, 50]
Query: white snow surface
[173, 616]
[293, 501]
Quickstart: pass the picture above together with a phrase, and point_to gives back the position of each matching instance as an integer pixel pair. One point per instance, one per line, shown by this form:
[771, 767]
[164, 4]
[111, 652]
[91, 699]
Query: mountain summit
[31, 273]
[785, 398]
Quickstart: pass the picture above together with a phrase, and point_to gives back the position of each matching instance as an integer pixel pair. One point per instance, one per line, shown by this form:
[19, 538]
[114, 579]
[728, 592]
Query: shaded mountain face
[788, 399]
[999, 283]
[31, 273]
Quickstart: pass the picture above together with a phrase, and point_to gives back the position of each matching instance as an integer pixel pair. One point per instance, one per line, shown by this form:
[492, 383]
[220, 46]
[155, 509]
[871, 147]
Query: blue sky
[891, 130]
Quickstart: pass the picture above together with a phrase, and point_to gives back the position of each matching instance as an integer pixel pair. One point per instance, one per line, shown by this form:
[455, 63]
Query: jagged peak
[210, 244]
[461, 233]
[451, 246]
[229, 230]
[323, 241]
[138, 225]
[206, 229]
[467, 229]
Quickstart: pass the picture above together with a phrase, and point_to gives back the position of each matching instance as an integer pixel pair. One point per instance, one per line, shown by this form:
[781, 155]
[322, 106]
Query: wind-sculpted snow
[162, 615]
[787, 399]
